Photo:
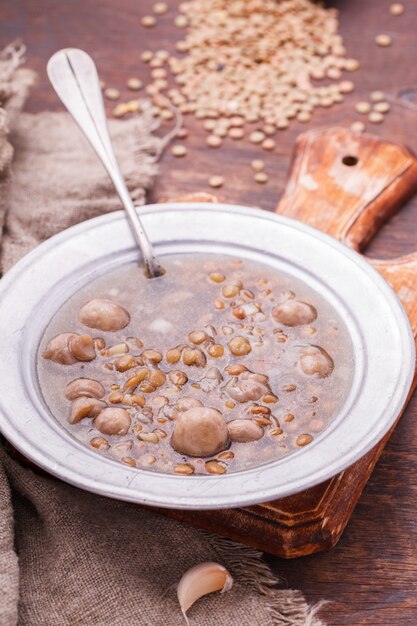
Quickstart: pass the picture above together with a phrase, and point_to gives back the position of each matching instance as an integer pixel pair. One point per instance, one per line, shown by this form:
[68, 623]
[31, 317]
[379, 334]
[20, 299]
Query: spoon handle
[73, 75]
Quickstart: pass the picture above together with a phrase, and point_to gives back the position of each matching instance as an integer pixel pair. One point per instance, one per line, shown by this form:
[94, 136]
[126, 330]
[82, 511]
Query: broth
[269, 359]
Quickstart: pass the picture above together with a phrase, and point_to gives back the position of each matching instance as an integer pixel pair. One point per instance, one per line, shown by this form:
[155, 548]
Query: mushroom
[113, 421]
[104, 314]
[57, 350]
[183, 404]
[315, 360]
[201, 432]
[82, 347]
[211, 379]
[85, 407]
[249, 386]
[243, 431]
[68, 348]
[86, 387]
[294, 313]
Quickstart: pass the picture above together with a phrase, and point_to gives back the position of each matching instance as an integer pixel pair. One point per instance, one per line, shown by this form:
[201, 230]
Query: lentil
[257, 165]
[346, 86]
[351, 65]
[216, 277]
[377, 96]
[160, 8]
[181, 21]
[134, 84]
[268, 144]
[381, 107]
[214, 467]
[216, 351]
[236, 133]
[257, 136]
[303, 440]
[112, 94]
[396, 8]
[148, 21]
[183, 468]
[363, 107]
[179, 150]
[357, 127]
[375, 118]
[216, 181]
[239, 346]
[383, 40]
[182, 133]
[261, 177]
[214, 141]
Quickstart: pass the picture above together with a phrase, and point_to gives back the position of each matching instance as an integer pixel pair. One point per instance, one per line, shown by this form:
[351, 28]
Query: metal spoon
[74, 77]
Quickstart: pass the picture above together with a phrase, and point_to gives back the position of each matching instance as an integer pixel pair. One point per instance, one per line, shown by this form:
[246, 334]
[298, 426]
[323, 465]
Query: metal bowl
[34, 290]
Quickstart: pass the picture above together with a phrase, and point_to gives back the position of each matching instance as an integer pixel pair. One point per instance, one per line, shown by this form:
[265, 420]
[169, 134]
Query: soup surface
[220, 365]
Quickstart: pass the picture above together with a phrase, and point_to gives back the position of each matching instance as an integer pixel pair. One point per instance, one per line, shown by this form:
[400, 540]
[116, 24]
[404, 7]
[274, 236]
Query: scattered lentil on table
[397, 8]
[383, 40]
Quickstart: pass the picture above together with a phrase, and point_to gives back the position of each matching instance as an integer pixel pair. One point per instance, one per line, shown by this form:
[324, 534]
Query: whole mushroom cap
[104, 315]
[315, 360]
[294, 313]
[113, 421]
[201, 432]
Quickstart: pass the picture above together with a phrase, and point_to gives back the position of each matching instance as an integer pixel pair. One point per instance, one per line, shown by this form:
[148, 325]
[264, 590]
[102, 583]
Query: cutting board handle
[347, 184]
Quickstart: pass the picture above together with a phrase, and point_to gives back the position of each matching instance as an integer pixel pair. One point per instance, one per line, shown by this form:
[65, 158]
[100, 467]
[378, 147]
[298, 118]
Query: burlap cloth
[68, 557]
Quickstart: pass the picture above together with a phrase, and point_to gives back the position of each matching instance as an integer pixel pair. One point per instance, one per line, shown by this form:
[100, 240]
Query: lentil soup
[220, 365]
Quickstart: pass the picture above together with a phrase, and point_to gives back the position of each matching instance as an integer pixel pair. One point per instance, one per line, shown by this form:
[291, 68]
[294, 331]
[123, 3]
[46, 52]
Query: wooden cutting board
[347, 185]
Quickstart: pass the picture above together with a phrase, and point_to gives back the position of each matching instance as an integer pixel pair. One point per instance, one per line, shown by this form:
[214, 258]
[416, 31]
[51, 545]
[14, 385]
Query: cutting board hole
[350, 160]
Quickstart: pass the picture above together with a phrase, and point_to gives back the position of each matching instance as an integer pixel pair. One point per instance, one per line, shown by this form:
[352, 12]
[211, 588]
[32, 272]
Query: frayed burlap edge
[287, 607]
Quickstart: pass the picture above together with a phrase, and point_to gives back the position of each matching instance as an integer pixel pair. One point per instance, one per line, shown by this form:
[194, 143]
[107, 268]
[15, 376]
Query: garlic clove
[201, 580]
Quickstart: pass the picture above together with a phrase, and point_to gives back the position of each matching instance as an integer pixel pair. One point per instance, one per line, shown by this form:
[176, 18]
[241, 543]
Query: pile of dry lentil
[255, 60]
[246, 68]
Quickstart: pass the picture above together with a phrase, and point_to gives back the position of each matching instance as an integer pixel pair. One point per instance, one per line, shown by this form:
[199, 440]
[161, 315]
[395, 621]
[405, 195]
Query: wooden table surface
[370, 577]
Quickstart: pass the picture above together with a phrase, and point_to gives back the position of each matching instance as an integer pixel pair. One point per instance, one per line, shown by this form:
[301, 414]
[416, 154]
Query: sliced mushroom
[294, 313]
[315, 360]
[243, 431]
[85, 407]
[249, 386]
[113, 421]
[201, 431]
[82, 347]
[86, 387]
[104, 314]
[68, 348]
[57, 350]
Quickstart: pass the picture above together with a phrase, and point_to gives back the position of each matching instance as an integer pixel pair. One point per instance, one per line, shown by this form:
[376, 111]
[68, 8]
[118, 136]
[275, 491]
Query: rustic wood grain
[370, 576]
